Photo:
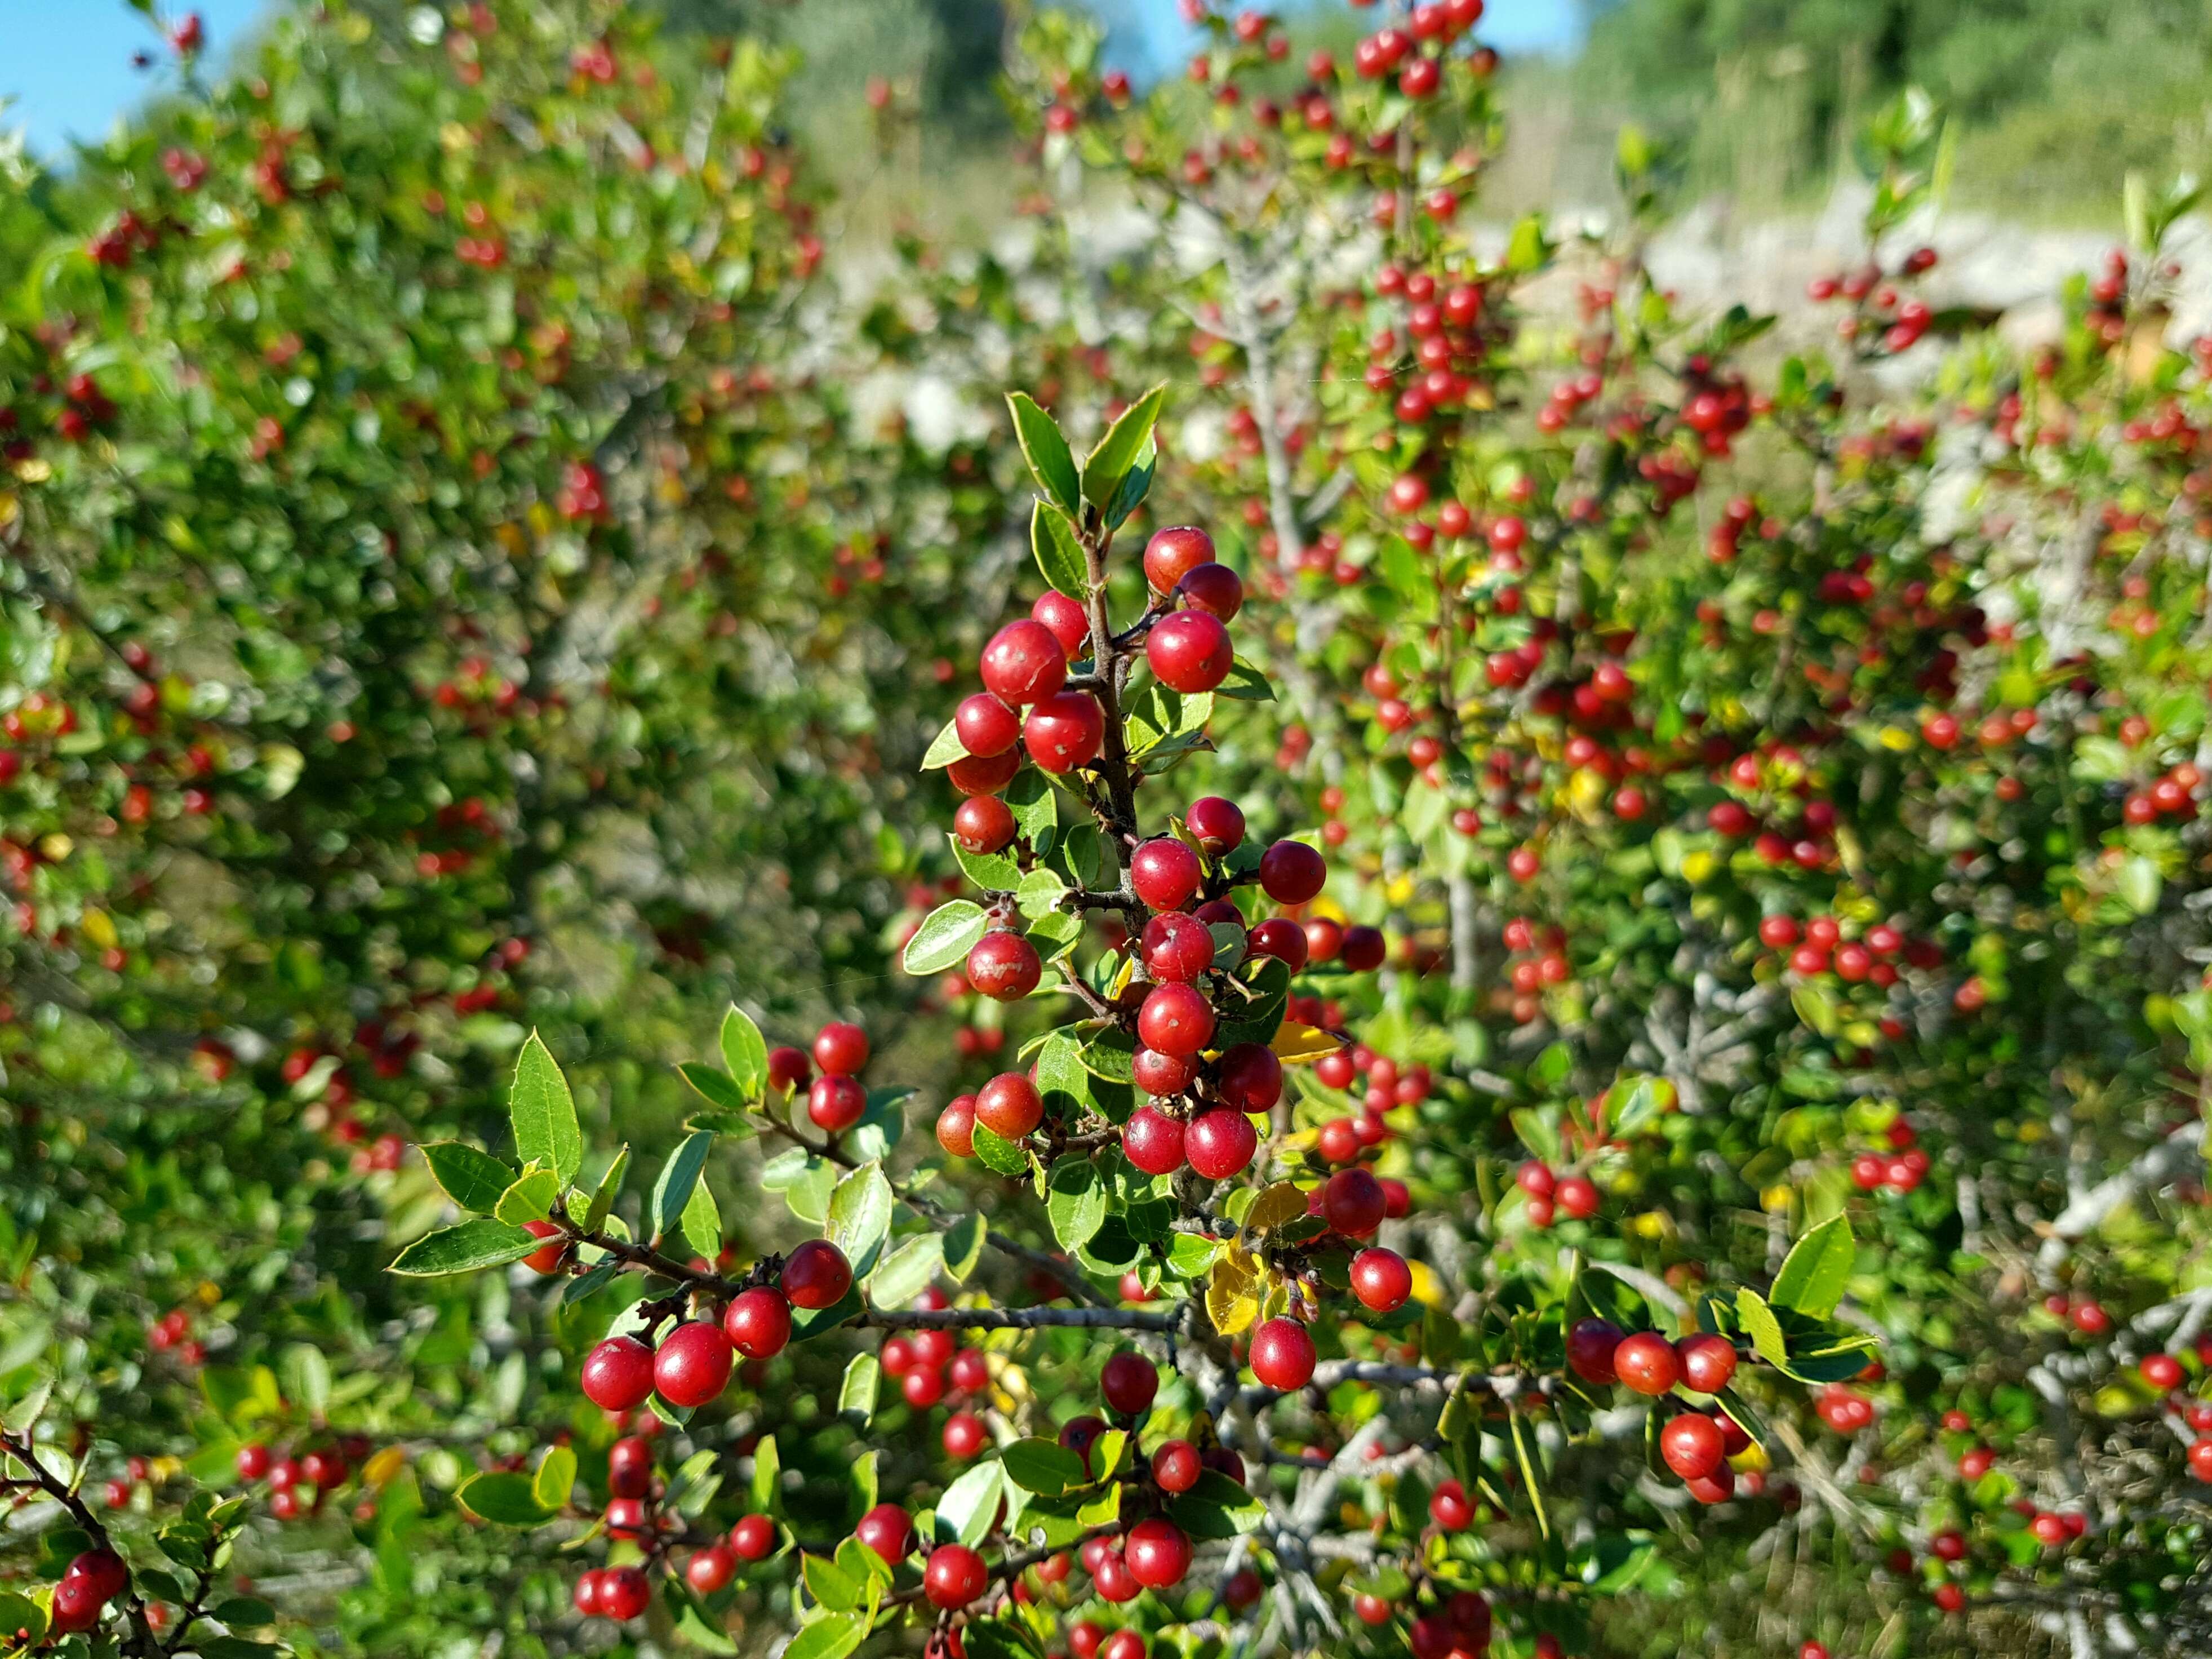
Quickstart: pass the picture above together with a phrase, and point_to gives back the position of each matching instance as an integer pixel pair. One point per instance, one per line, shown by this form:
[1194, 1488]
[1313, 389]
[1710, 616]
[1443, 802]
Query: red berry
[753, 1537]
[1065, 731]
[1157, 1553]
[1219, 1143]
[1352, 1202]
[1283, 1354]
[1290, 872]
[956, 1127]
[1593, 1346]
[1173, 553]
[1691, 1445]
[693, 1362]
[710, 1569]
[547, 1258]
[788, 1068]
[1449, 1508]
[984, 824]
[839, 1047]
[2161, 1370]
[1281, 939]
[1165, 873]
[1381, 1279]
[1577, 1196]
[1009, 1106]
[630, 1466]
[986, 726]
[1249, 1078]
[973, 776]
[817, 1274]
[618, 1374]
[835, 1103]
[1175, 1019]
[1069, 623]
[1217, 825]
[1023, 663]
[1213, 588]
[1153, 1141]
[888, 1531]
[1189, 651]
[758, 1323]
[1647, 1363]
[1176, 1467]
[1163, 1075]
[1708, 1362]
[1178, 947]
[624, 1593]
[1003, 966]
[963, 1436]
[1127, 1383]
[955, 1576]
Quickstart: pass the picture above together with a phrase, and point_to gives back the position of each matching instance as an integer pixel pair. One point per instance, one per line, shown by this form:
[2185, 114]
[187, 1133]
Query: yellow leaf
[1428, 1289]
[1230, 1302]
[1279, 1203]
[1294, 1043]
[99, 928]
[380, 1469]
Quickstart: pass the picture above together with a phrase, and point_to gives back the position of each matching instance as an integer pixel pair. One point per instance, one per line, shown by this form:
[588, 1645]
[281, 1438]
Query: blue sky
[66, 64]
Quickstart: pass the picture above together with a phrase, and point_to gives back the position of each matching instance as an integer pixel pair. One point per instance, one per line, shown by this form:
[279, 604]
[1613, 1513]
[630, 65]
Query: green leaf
[1036, 805]
[1043, 1466]
[745, 1051]
[472, 1179]
[1739, 1412]
[1136, 485]
[833, 1636]
[945, 936]
[602, 1200]
[768, 1473]
[856, 1396]
[830, 1585]
[543, 1112]
[998, 1155]
[464, 1249]
[945, 747]
[1217, 1507]
[1075, 1199]
[307, 1375]
[1759, 1323]
[1245, 683]
[861, 1217]
[21, 1613]
[1050, 461]
[555, 1478]
[1816, 1270]
[1535, 1487]
[701, 1224]
[994, 872]
[963, 1246]
[506, 1497]
[244, 1613]
[678, 1177]
[695, 1620]
[907, 1271]
[1118, 451]
[1058, 555]
[970, 1505]
[721, 1092]
[531, 1197]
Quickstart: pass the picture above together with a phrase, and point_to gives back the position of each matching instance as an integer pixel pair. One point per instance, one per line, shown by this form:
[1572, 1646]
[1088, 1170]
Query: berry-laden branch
[95, 1577]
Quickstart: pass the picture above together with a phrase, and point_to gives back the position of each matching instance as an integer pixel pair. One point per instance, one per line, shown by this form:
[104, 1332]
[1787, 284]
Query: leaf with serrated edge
[1816, 1271]
[1117, 451]
[542, 1112]
[1760, 1325]
[1042, 446]
[1058, 555]
[472, 1179]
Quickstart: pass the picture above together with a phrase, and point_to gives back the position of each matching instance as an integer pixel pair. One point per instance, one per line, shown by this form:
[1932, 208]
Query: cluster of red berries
[1549, 1195]
[298, 1485]
[1878, 313]
[835, 1100]
[173, 1330]
[88, 1583]
[1695, 1444]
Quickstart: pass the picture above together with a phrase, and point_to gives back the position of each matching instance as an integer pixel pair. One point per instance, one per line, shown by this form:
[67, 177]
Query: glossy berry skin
[888, 1531]
[841, 1046]
[1189, 652]
[1176, 947]
[1173, 553]
[1005, 967]
[1576, 1196]
[1176, 1019]
[788, 1068]
[1250, 1077]
[835, 1103]
[1128, 1383]
[618, 1374]
[1593, 1346]
[586, 1594]
[753, 1538]
[710, 1569]
[1213, 588]
[547, 1258]
[1065, 617]
[1216, 824]
[1281, 939]
[1352, 1202]
[693, 1364]
[1165, 873]
[252, 1461]
[983, 824]
[1219, 1143]
[1363, 949]
[1064, 731]
[963, 1436]
[986, 726]
[100, 1574]
[1381, 1279]
[954, 1578]
[1009, 1106]
[1283, 1354]
[757, 1321]
[1158, 1552]
[1176, 1467]
[630, 1466]
[1113, 1580]
[956, 1127]
[1646, 1363]
[1718, 1487]
[1024, 664]
[1449, 1508]
[817, 1274]
[1161, 1075]
[1692, 1446]
[973, 776]
[1290, 872]
[1708, 1362]
[624, 1593]
[1153, 1141]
